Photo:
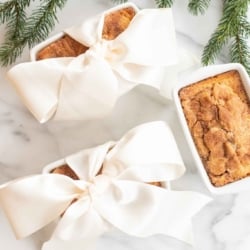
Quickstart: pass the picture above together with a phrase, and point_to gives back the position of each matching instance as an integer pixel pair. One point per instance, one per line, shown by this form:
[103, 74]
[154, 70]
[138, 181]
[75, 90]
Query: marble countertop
[26, 146]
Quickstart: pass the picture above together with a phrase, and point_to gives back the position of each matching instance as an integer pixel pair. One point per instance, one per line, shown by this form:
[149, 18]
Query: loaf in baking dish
[217, 111]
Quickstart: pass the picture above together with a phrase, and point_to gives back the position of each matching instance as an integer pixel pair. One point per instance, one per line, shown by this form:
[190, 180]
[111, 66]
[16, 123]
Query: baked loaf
[114, 24]
[217, 111]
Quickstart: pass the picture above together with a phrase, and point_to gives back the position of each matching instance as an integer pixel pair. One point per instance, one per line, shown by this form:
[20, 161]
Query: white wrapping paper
[88, 86]
[118, 197]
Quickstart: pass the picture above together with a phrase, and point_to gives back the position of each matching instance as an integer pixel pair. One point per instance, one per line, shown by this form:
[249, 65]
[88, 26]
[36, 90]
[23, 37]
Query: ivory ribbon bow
[89, 85]
[119, 197]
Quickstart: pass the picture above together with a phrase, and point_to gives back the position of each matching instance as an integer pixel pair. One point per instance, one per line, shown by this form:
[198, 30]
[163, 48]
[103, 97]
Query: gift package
[114, 185]
[96, 62]
[125, 185]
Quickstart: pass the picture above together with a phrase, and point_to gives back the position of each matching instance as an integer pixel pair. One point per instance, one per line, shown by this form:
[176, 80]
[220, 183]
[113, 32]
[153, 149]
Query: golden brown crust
[156, 183]
[217, 111]
[63, 47]
[65, 170]
[114, 24]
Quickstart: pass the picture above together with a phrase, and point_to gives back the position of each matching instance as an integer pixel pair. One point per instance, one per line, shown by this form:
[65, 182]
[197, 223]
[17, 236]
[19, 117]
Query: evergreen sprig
[232, 26]
[240, 52]
[22, 31]
[42, 21]
[164, 3]
[119, 1]
[198, 6]
[13, 14]
[12, 8]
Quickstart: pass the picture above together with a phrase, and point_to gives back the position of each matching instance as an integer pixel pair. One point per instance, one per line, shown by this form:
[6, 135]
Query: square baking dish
[197, 76]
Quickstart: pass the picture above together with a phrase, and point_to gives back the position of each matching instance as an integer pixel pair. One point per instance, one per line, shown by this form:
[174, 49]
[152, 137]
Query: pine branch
[22, 31]
[10, 51]
[233, 24]
[42, 21]
[164, 3]
[215, 44]
[15, 24]
[240, 52]
[9, 9]
[244, 26]
[198, 6]
[13, 13]
[6, 11]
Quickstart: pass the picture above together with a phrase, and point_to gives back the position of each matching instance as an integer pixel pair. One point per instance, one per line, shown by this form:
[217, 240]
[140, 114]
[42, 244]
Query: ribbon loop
[99, 186]
[48, 195]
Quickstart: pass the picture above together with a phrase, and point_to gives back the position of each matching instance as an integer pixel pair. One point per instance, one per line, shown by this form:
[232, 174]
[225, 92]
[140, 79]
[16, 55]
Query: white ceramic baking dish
[38, 47]
[201, 74]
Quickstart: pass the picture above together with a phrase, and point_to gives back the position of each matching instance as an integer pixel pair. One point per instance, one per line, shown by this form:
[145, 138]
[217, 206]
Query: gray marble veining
[26, 146]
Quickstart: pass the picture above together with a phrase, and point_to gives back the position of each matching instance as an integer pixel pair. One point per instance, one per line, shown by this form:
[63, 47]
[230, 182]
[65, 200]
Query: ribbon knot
[99, 185]
[111, 191]
[89, 85]
[99, 49]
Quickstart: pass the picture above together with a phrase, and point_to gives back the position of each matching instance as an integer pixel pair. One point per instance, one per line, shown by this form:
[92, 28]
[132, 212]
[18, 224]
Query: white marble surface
[26, 146]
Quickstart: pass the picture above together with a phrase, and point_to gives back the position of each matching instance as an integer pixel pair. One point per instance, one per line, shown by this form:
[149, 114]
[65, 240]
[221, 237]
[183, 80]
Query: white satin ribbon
[119, 197]
[89, 85]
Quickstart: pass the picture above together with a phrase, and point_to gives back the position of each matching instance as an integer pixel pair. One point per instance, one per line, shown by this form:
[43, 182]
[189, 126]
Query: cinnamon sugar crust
[217, 111]
[63, 47]
[114, 24]
[65, 170]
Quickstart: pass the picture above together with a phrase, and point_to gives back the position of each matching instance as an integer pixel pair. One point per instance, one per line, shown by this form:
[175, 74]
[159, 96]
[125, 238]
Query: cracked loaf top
[217, 111]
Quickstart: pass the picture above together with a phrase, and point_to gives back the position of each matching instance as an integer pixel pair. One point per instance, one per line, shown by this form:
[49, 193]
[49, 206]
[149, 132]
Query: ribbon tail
[88, 89]
[78, 229]
[143, 210]
[147, 56]
[80, 221]
[33, 202]
[38, 84]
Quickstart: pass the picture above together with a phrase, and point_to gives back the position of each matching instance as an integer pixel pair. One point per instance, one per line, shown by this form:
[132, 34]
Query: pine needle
[23, 30]
[9, 52]
[164, 3]
[240, 52]
[119, 1]
[42, 21]
[10, 9]
[13, 14]
[198, 6]
[233, 25]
